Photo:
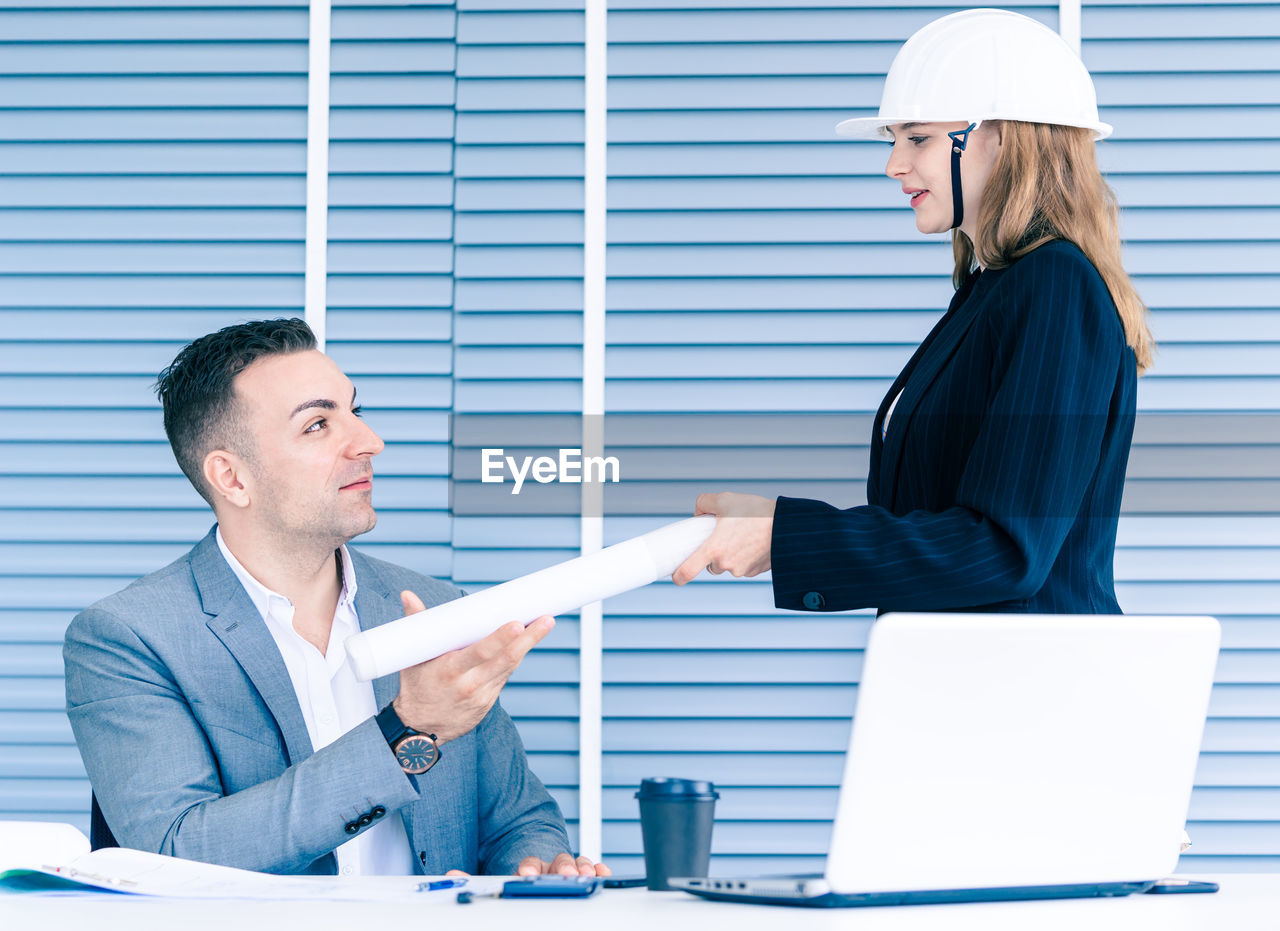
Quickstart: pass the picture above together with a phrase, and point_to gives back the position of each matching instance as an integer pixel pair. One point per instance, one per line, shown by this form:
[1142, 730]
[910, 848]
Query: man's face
[310, 475]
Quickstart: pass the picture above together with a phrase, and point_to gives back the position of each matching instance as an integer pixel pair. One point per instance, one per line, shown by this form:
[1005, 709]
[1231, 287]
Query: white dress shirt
[884, 427]
[333, 701]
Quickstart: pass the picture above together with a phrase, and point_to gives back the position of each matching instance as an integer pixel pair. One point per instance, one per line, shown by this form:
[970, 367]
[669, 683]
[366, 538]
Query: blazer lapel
[236, 622]
[914, 382]
[376, 604]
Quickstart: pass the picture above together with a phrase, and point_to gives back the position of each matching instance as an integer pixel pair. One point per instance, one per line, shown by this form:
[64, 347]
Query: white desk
[1246, 902]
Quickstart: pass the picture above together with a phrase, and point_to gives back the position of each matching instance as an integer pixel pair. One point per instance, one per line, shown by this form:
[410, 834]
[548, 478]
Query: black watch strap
[415, 751]
[391, 726]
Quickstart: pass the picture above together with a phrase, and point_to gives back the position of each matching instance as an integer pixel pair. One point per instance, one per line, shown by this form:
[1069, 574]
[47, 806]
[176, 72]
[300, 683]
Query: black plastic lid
[672, 789]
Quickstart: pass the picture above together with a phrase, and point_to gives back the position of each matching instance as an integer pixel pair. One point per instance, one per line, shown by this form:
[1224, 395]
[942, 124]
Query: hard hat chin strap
[959, 139]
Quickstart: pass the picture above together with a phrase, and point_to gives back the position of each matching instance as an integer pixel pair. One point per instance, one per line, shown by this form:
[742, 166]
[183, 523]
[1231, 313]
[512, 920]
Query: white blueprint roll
[563, 587]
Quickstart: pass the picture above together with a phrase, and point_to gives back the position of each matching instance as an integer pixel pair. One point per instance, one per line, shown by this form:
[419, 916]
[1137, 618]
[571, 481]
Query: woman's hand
[741, 542]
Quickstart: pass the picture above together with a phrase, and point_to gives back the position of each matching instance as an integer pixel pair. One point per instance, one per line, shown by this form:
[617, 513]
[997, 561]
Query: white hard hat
[981, 65]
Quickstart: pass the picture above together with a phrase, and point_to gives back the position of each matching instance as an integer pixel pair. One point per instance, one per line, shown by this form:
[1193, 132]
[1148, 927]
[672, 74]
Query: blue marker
[441, 884]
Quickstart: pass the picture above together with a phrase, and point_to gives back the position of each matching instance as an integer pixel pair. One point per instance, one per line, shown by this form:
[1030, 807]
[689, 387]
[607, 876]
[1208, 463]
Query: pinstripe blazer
[998, 484]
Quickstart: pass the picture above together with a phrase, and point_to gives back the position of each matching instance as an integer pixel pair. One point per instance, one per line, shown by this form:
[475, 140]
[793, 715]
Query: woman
[998, 455]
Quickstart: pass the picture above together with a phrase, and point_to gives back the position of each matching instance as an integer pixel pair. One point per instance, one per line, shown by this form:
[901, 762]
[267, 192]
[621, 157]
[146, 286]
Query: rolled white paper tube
[563, 587]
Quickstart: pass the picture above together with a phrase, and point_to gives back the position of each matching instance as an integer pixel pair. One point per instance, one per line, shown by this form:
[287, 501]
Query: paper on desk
[25, 842]
[566, 586]
[118, 869]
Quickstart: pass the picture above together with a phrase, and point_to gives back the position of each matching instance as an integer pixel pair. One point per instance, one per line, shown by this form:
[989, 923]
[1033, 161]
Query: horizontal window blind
[758, 263]
[518, 324]
[390, 281]
[152, 175]
[1194, 94]
[152, 164]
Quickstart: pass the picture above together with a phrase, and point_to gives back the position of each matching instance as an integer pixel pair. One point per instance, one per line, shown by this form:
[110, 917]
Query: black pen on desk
[441, 884]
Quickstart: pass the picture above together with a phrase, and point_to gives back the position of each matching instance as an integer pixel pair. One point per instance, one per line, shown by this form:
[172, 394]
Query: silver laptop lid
[1014, 750]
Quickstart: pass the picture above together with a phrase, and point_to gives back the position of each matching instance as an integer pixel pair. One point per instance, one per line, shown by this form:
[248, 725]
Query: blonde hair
[1045, 185]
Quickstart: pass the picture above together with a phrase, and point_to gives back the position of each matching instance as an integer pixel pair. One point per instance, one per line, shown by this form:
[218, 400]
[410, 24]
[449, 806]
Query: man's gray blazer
[196, 747]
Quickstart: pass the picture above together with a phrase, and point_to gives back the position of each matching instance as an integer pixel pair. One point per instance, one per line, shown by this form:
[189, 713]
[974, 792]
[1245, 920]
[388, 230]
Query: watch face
[417, 753]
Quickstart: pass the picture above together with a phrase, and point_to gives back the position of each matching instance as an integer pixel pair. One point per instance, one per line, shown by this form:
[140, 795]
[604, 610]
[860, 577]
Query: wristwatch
[416, 752]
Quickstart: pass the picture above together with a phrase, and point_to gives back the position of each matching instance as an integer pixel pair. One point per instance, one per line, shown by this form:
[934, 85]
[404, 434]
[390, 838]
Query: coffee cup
[676, 817]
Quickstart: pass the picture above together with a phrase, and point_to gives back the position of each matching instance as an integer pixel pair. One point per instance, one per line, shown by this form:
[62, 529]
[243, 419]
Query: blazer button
[814, 601]
[351, 827]
[378, 811]
[365, 820]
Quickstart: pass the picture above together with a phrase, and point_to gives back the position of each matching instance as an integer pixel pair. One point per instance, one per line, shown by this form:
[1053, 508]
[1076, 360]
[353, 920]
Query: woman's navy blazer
[997, 486]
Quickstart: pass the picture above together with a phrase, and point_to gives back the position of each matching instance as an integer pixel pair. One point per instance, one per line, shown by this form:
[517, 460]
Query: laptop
[1008, 756]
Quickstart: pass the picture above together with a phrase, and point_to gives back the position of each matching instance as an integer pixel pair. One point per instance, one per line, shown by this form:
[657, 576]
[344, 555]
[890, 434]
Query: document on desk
[135, 872]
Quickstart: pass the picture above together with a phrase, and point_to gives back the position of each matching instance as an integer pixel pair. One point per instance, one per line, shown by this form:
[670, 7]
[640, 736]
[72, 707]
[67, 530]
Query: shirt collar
[267, 602]
[349, 586]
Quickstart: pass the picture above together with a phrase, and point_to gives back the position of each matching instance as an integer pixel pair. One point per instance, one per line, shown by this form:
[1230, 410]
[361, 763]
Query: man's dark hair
[199, 399]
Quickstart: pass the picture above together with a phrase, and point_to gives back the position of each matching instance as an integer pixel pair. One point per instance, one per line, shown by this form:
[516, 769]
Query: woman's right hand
[742, 541]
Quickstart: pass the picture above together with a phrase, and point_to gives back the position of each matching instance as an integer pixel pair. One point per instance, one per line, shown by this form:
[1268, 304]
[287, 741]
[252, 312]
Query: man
[212, 701]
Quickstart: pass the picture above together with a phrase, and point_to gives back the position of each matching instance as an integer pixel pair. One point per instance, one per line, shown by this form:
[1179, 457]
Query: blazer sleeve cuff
[377, 780]
[801, 533]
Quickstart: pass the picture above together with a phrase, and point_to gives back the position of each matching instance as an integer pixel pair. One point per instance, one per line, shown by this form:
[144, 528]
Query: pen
[464, 898]
[441, 884]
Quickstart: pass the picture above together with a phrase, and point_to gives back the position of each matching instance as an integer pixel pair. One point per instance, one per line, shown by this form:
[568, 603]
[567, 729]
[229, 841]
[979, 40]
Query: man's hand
[447, 696]
[563, 865]
[742, 542]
